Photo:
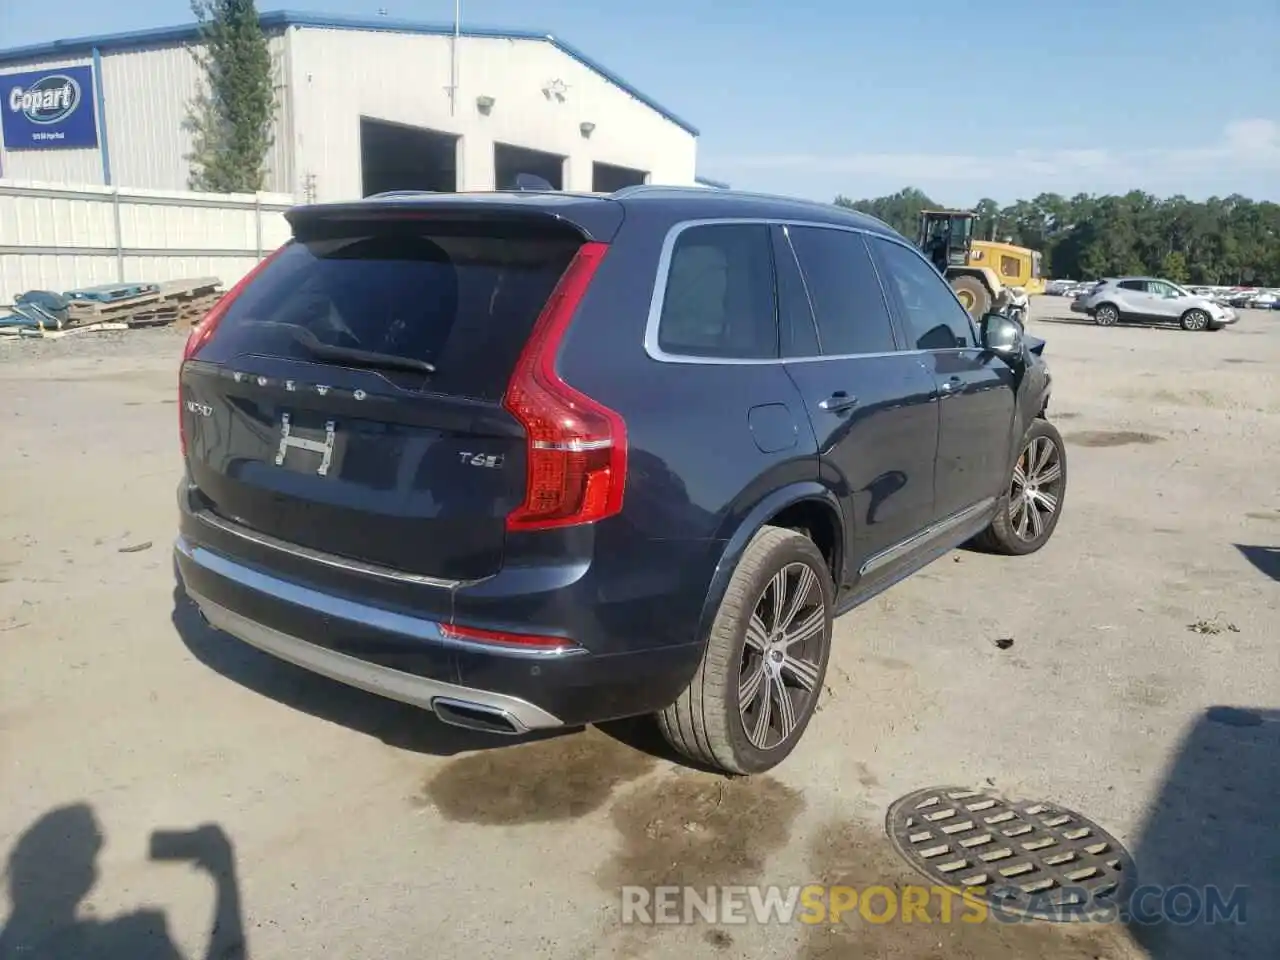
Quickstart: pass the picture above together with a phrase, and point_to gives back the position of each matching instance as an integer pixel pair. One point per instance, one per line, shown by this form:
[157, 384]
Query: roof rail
[385, 194]
[643, 188]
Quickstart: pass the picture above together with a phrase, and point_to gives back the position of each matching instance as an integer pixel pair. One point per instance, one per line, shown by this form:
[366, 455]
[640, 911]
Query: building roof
[280, 19]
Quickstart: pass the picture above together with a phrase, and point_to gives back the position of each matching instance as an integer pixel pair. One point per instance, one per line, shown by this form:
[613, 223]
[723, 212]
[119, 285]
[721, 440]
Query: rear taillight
[203, 331]
[577, 448]
[504, 638]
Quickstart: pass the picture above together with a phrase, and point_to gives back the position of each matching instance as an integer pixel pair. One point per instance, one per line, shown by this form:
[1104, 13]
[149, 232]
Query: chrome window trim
[658, 296]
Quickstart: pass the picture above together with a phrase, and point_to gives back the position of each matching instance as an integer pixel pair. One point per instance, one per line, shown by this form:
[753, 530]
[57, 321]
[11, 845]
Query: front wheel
[1195, 320]
[973, 296]
[1029, 510]
[763, 667]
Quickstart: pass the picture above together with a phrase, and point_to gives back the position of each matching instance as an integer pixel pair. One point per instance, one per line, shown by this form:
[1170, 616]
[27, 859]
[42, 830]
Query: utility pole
[453, 57]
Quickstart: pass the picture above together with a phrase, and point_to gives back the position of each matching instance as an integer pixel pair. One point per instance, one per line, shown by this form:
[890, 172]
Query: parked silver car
[1151, 300]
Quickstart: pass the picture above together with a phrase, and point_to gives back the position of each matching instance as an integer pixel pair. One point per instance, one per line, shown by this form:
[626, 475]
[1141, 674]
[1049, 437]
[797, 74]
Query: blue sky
[862, 98]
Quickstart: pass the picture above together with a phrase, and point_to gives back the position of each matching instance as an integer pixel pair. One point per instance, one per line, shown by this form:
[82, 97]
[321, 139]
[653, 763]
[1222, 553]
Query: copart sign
[49, 109]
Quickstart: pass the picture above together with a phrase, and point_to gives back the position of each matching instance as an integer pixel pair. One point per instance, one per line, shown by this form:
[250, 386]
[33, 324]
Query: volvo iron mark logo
[50, 99]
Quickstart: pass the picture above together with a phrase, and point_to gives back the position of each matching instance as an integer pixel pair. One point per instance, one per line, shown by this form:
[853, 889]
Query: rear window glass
[462, 300]
[719, 298]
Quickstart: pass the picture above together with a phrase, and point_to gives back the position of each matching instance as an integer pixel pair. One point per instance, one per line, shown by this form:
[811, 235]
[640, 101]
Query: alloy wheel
[1197, 320]
[1036, 490]
[782, 656]
[1107, 316]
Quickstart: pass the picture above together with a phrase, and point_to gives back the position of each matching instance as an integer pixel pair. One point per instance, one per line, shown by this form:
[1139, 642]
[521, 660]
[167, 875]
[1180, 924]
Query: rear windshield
[462, 297]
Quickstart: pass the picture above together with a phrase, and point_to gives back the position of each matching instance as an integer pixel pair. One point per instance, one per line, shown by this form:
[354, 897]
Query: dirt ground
[1139, 688]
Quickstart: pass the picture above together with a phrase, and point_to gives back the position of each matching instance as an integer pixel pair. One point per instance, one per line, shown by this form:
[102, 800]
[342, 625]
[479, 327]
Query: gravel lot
[1140, 689]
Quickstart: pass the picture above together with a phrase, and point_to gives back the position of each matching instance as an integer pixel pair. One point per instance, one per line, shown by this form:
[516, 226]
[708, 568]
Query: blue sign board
[48, 109]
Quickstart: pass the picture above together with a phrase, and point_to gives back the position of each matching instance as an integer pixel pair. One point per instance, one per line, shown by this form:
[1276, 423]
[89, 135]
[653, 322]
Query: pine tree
[231, 117]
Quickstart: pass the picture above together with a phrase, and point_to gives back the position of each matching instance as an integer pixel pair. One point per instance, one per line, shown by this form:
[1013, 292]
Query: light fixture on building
[484, 104]
[555, 90]
[587, 128]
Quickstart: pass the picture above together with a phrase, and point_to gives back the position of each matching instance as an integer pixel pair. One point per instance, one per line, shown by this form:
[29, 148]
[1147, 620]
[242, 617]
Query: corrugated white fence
[59, 237]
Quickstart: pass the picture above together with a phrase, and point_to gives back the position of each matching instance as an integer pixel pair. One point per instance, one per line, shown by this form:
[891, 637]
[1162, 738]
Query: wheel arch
[807, 506]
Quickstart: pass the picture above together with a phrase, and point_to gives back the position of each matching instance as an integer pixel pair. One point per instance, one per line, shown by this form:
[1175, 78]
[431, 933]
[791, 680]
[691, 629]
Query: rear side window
[844, 291]
[1139, 285]
[461, 297]
[719, 296]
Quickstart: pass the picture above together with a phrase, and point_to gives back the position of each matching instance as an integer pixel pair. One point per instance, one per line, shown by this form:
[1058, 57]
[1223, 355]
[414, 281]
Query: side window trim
[657, 296]
[652, 334]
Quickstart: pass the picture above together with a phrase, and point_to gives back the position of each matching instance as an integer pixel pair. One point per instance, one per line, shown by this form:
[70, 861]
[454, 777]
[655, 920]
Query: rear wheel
[1106, 315]
[765, 660]
[1195, 320]
[1032, 504]
[973, 295]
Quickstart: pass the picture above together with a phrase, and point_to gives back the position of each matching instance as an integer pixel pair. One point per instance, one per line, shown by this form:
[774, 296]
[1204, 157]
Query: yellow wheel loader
[985, 275]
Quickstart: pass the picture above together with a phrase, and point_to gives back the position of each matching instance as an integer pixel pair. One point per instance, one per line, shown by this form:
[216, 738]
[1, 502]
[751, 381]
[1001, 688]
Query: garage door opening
[606, 178]
[509, 161]
[396, 156]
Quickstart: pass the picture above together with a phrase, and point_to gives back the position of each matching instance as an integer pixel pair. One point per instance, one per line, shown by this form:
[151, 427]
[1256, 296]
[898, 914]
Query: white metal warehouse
[364, 106]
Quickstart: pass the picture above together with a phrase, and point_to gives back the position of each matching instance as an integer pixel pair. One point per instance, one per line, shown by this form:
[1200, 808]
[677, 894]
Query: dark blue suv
[541, 459]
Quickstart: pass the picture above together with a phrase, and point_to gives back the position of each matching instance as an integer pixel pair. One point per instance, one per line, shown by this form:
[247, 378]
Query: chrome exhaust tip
[474, 716]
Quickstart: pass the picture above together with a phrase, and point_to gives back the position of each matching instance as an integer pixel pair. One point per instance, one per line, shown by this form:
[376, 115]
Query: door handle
[838, 402]
[950, 387]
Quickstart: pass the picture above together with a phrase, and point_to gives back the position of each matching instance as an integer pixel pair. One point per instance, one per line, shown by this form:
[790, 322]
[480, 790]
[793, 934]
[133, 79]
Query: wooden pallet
[187, 311]
[173, 301]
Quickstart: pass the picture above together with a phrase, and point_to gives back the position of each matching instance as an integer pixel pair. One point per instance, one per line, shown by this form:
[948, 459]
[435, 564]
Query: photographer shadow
[1208, 848]
[53, 867]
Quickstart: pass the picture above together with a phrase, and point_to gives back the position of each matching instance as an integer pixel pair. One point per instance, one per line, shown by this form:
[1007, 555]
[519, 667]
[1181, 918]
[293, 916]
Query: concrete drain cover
[1024, 858]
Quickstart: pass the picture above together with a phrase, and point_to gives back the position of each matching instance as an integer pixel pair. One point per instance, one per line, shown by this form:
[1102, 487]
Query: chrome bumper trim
[362, 614]
[370, 677]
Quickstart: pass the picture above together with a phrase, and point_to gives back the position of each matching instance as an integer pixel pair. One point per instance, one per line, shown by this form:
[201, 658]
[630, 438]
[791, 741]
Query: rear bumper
[405, 656]
[1078, 307]
[424, 692]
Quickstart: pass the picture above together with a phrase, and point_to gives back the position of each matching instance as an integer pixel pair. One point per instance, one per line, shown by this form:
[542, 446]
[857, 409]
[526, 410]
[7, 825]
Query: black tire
[1195, 319]
[973, 289]
[707, 723]
[1106, 315]
[1013, 531]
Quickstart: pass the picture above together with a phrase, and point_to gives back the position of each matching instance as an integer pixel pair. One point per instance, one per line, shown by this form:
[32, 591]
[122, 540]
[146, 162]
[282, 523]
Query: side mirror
[1002, 335]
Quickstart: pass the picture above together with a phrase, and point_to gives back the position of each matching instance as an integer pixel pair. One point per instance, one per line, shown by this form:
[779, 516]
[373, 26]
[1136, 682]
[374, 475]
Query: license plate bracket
[293, 438]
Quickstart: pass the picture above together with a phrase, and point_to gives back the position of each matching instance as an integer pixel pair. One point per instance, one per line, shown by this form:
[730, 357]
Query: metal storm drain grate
[1025, 858]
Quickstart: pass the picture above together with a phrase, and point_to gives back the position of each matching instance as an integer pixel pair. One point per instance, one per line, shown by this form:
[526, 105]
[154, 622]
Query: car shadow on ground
[1128, 324]
[395, 724]
[1266, 559]
[1208, 852]
[52, 869]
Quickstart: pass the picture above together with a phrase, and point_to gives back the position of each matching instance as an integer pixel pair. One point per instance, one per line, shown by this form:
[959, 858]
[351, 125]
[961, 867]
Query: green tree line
[1223, 240]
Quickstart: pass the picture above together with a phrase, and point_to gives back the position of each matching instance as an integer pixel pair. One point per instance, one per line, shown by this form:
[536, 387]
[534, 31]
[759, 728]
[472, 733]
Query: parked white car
[1151, 300]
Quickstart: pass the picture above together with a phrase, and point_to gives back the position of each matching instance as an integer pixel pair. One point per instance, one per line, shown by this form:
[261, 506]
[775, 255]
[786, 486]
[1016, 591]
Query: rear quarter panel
[696, 469]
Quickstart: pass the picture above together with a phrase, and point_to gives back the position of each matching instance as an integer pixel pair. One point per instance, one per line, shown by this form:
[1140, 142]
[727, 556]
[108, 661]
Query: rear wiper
[360, 358]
